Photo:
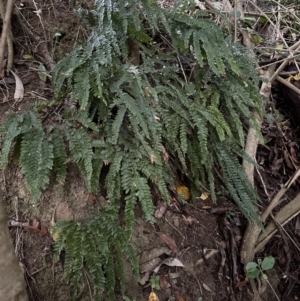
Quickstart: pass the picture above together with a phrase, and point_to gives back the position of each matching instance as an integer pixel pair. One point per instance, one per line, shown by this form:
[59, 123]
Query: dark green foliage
[97, 245]
[182, 109]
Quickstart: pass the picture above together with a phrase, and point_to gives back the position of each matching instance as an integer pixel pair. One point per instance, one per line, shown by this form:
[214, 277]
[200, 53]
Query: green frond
[81, 150]
[117, 123]
[144, 195]
[59, 155]
[36, 160]
[97, 246]
[181, 110]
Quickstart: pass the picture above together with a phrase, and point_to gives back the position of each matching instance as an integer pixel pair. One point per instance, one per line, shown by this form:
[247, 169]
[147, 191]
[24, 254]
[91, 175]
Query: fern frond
[81, 150]
[37, 160]
[59, 155]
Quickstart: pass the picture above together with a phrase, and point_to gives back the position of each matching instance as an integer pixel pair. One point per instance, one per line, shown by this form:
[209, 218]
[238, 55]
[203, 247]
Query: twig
[271, 22]
[284, 235]
[288, 84]
[175, 228]
[272, 290]
[285, 232]
[295, 47]
[279, 194]
[276, 62]
[263, 183]
[207, 256]
[287, 213]
[6, 36]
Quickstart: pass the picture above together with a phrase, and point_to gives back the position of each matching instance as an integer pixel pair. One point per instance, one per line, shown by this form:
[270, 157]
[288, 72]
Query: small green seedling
[254, 269]
[154, 281]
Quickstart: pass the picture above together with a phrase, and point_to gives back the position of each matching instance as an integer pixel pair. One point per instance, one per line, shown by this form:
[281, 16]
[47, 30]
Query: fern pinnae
[110, 278]
[131, 201]
[117, 123]
[59, 155]
[119, 267]
[197, 48]
[12, 132]
[113, 173]
[144, 195]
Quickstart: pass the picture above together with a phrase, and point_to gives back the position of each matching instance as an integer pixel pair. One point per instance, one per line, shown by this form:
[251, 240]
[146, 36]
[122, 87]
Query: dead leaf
[150, 265]
[276, 164]
[242, 283]
[218, 210]
[206, 207]
[160, 210]
[294, 155]
[174, 275]
[148, 260]
[206, 287]
[19, 91]
[145, 278]
[153, 297]
[178, 297]
[152, 158]
[165, 155]
[204, 196]
[35, 227]
[287, 160]
[207, 256]
[172, 262]
[183, 191]
[170, 242]
[163, 282]
[91, 199]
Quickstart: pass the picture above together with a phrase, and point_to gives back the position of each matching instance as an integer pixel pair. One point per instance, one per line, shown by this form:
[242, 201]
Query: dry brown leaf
[206, 287]
[170, 242]
[242, 283]
[163, 282]
[287, 159]
[276, 164]
[218, 210]
[204, 195]
[178, 297]
[165, 155]
[150, 265]
[152, 158]
[153, 297]
[183, 191]
[172, 262]
[19, 91]
[91, 199]
[35, 227]
[160, 210]
[294, 155]
[149, 260]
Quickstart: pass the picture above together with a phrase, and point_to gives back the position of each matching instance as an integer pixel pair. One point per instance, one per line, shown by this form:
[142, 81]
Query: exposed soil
[199, 231]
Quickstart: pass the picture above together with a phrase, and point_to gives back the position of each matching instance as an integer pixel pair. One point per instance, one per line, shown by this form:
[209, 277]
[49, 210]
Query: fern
[96, 245]
[137, 126]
